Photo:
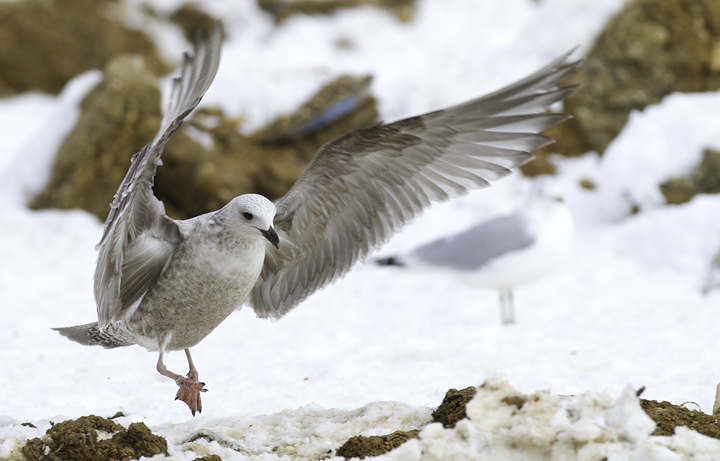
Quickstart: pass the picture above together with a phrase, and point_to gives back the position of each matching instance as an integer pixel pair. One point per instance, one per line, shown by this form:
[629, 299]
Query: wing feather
[361, 188]
[139, 239]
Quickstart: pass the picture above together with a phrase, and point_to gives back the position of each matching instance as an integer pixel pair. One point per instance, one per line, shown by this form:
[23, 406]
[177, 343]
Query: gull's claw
[189, 392]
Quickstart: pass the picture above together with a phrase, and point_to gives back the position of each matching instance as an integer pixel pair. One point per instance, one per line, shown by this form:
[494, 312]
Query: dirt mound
[452, 409]
[668, 416]
[284, 9]
[46, 43]
[93, 438]
[704, 179]
[648, 50]
[122, 113]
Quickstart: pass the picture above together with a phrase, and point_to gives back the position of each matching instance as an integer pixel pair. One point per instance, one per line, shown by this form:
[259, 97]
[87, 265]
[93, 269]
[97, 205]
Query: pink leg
[190, 387]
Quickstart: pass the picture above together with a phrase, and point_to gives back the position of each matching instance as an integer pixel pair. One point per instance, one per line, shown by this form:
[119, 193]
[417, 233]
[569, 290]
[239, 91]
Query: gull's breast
[206, 280]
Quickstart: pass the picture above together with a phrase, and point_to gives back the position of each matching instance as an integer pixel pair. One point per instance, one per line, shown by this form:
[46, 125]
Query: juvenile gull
[166, 284]
[502, 252]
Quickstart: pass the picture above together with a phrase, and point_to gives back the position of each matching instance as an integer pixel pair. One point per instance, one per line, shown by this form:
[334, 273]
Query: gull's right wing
[362, 188]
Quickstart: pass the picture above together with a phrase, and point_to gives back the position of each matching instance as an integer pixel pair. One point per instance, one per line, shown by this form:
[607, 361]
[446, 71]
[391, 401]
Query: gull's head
[252, 215]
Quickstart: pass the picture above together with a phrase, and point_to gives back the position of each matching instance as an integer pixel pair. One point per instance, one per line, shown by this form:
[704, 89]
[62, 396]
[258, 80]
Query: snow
[373, 354]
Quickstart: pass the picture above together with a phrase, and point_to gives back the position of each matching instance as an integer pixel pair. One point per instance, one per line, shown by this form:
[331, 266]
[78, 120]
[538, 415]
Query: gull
[502, 252]
[165, 284]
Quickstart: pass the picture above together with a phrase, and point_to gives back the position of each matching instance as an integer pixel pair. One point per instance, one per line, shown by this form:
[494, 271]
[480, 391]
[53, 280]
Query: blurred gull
[502, 252]
[166, 284]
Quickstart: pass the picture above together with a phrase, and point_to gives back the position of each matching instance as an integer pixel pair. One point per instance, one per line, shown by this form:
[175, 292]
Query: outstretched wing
[361, 188]
[139, 239]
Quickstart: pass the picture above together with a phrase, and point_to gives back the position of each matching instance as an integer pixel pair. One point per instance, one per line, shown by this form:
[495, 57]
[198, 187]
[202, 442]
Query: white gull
[502, 252]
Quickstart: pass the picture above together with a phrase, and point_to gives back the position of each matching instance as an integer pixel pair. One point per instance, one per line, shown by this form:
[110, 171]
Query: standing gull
[502, 252]
[166, 284]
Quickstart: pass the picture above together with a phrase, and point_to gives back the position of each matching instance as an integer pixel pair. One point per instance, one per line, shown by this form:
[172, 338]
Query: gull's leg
[190, 387]
[507, 314]
[511, 306]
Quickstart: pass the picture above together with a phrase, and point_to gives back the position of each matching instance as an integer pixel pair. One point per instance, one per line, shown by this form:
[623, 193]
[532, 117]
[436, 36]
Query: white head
[251, 215]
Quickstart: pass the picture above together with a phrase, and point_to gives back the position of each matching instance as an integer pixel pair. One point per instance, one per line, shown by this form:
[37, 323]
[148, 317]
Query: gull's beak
[272, 236]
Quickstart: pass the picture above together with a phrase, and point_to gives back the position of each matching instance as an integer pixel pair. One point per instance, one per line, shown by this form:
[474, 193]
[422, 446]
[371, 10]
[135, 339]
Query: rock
[450, 411]
[648, 50]
[452, 408]
[335, 100]
[45, 43]
[704, 179]
[118, 117]
[283, 9]
[205, 164]
[78, 440]
[362, 447]
[192, 19]
[668, 416]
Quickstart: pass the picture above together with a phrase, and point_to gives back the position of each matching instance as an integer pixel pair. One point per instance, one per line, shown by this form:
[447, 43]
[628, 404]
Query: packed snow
[375, 352]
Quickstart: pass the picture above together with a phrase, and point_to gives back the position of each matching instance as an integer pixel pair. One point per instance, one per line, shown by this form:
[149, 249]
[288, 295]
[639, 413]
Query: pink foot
[189, 392]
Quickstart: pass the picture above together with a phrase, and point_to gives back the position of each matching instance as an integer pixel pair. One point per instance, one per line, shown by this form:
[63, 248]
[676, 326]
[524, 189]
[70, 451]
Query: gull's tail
[90, 335]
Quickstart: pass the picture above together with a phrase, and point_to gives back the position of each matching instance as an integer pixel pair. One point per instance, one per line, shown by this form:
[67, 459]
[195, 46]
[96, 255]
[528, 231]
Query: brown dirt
[668, 416]
[122, 114]
[78, 440]
[648, 50]
[283, 9]
[191, 20]
[704, 179]
[45, 43]
[452, 409]
[363, 447]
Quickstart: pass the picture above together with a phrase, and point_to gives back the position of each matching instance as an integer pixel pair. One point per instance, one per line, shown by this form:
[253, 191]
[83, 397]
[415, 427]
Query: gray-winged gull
[502, 252]
[166, 284]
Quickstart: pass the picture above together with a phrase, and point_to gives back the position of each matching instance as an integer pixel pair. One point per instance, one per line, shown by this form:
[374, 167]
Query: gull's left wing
[139, 239]
[361, 188]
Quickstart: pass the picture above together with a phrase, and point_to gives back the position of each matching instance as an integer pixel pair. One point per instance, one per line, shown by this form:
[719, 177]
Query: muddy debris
[284, 9]
[45, 43]
[704, 179]
[376, 445]
[333, 101]
[453, 409]
[668, 416]
[647, 51]
[450, 411]
[192, 19]
[569, 142]
[206, 163]
[93, 438]
[118, 117]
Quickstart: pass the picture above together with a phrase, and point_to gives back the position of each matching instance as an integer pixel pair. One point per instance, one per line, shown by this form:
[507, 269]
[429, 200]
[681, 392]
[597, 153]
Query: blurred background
[82, 85]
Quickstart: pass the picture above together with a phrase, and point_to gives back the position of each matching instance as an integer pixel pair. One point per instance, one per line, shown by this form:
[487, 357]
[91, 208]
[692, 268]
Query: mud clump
[450, 411]
[647, 51]
[192, 20]
[569, 142]
[206, 163]
[668, 416]
[452, 408]
[45, 43]
[78, 440]
[362, 447]
[284, 9]
[704, 179]
[118, 117]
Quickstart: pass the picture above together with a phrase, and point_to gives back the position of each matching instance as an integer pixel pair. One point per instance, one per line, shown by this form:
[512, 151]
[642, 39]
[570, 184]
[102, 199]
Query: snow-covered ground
[372, 353]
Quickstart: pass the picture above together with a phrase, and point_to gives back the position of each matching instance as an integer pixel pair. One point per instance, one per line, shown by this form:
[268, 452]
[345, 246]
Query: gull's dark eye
[248, 216]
